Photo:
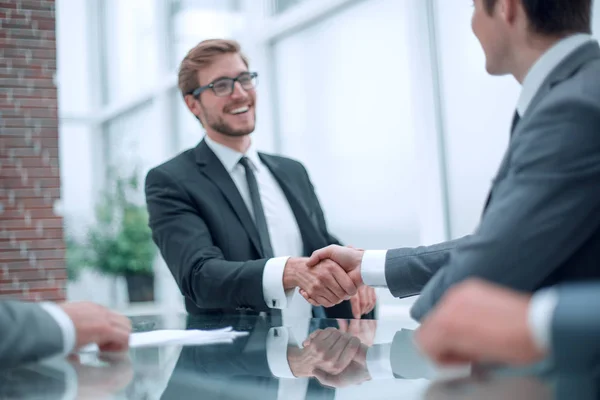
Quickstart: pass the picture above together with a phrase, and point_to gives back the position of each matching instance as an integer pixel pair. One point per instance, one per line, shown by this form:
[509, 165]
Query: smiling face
[490, 28]
[232, 115]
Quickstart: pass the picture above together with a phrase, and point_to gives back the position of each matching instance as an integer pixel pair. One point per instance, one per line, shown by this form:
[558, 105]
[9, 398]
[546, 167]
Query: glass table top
[306, 359]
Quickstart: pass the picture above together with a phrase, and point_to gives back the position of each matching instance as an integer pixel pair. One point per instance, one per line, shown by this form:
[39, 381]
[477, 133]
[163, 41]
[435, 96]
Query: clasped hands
[330, 276]
[334, 357]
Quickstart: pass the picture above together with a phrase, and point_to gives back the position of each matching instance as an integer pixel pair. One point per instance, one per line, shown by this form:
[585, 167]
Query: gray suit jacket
[27, 333]
[576, 327]
[542, 222]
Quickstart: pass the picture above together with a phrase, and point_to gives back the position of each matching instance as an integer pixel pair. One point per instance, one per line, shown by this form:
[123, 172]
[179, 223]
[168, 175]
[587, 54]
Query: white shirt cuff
[372, 268]
[541, 310]
[277, 345]
[273, 292]
[65, 324]
[378, 361]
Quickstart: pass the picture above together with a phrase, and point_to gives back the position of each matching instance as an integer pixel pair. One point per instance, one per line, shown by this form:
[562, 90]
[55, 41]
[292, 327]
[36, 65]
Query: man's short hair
[555, 17]
[201, 56]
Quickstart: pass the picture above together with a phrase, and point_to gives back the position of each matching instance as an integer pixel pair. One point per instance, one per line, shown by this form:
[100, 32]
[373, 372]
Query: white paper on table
[176, 336]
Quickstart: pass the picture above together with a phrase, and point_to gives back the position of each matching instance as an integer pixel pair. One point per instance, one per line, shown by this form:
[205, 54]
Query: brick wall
[32, 264]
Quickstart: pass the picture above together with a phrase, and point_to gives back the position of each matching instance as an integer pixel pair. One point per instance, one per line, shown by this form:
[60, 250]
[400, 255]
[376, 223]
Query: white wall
[345, 92]
[478, 110]
[596, 21]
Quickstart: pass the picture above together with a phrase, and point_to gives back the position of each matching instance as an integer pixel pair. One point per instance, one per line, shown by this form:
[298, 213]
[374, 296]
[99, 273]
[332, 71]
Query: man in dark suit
[233, 224]
[541, 223]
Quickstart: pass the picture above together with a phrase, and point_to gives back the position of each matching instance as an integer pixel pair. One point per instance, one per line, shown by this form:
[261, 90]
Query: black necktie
[515, 121]
[259, 213]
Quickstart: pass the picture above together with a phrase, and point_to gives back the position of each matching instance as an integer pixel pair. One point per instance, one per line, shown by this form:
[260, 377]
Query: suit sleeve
[198, 266]
[27, 333]
[543, 210]
[576, 327]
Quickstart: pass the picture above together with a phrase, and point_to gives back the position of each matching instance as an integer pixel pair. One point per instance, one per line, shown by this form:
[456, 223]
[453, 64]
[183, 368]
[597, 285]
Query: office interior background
[386, 102]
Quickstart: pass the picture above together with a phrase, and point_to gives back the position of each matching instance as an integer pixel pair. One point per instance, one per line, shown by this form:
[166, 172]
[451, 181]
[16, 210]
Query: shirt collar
[230, 158]
[544, 66]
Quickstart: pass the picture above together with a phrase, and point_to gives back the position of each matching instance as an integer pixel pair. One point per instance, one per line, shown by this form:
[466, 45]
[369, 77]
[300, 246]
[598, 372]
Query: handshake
[330, 276]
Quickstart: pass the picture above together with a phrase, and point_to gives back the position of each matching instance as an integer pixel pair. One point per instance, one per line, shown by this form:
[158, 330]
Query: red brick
[13, 214]
[43, 24]
[44, 244]
[35, 203]
[46, 223]
[30, 113]
[35, 161]
[13, 172]
[29, 152]
[29, 145]
[38, 94]
[36, 5]
[17, 43]
[37, 83]
[7, 256]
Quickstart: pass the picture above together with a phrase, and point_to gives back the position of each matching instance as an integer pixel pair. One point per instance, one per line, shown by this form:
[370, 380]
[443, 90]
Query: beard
[219, 125]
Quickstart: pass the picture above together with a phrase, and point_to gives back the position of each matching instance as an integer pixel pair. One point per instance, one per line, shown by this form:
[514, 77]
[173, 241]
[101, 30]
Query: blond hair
[202, 55]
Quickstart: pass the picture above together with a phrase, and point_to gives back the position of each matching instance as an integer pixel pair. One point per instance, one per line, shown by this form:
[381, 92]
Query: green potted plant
[120, 243]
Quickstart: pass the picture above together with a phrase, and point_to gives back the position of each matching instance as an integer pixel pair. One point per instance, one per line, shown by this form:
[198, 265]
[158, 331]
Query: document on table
[193, 337]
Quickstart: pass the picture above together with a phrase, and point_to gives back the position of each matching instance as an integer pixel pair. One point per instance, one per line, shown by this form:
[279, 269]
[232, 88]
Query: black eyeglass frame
[199, 90]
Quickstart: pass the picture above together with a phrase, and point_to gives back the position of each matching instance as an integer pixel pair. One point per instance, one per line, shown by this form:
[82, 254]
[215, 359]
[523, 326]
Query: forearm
[27, 333]
[407, 270]
[217, 283]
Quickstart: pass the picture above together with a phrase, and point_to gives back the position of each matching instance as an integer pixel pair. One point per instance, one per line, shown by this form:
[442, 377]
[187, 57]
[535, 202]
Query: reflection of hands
[103, 381]
[327, 350]
[479, 322]
[327, 284]
[96, 324]
[363, 329]
[353, 370]
[498, 388]
[355, 374]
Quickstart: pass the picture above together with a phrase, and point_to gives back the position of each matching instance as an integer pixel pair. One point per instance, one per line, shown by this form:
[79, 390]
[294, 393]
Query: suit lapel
[564, 70]
[311, 236]
[214, 170]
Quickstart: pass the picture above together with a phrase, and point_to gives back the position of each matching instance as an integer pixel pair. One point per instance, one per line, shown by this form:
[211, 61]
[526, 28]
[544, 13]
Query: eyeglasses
[224, 86]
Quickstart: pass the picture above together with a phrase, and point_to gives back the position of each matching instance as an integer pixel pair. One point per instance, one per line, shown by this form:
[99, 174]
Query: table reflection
[308, 359]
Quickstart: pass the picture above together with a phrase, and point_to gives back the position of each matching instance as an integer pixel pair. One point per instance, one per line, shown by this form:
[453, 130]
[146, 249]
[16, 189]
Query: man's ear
[194, 106]
[508, 10]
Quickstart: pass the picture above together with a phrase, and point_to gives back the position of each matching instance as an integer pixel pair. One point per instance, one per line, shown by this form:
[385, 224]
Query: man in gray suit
[33, 331]
[515, 328]
[541, 223]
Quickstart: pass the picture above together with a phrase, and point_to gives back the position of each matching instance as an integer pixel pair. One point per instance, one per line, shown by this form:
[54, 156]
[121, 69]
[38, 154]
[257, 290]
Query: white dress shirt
[66, 326]
[281, 223]
[542, 306]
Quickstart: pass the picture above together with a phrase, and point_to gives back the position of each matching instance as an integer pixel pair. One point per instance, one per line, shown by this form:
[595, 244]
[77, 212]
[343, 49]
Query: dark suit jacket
[208, 238]
[542, 224]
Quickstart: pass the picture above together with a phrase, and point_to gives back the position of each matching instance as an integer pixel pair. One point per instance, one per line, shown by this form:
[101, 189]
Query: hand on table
[96, 324]
[479, 322]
